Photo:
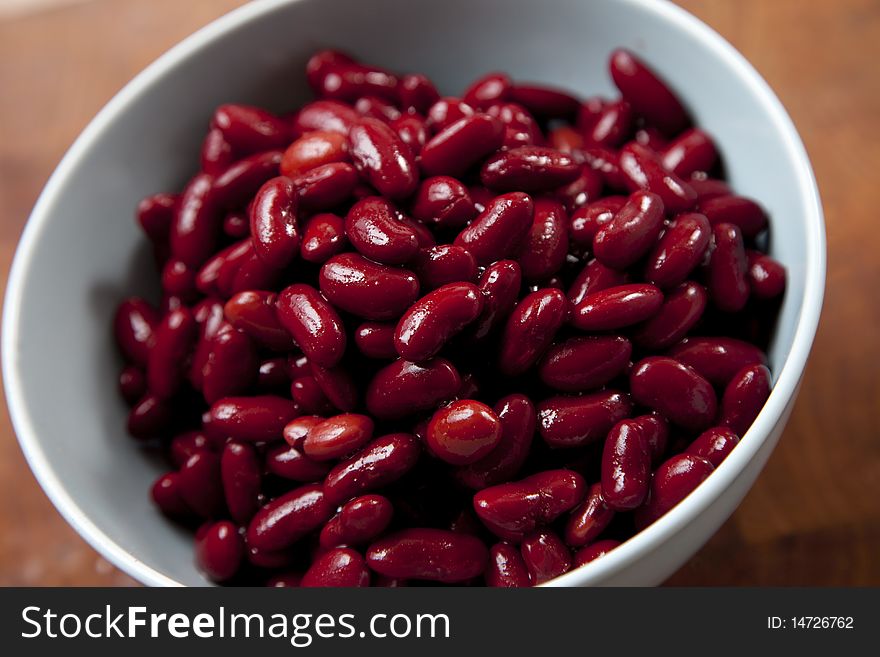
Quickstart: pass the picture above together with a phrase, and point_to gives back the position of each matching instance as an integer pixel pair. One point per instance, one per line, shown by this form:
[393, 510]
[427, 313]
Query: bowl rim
[614, 562]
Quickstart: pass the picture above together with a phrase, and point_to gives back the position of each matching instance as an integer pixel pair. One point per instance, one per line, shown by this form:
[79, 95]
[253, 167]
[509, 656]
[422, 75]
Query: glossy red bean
[488, 89]
[594, 551]
[323, 237]
[286, 519]
[338, 436]
[546, 244]
[291, 463]
[514, 509]
[530, 330]
[194, 230]
[589, 519]
[368, 289]
[235, 186]
[253, 419]
[606, 163]
[216, 154]
[642, 169]
[647, 93]
[565, 138]
[655, 428]
[417, 93]
[766, 276]
[382, 158]
[678, 252]
[675, 390]
[165, 493]
[545, 556]
[250, 129]
[439, 265]
[374, 228]
[585, 363]
[520, 127]
[359, 521]
[186, 444]
[172, 345]
[740, 211]
[529, 169]
[134, 326]
[506, 567]
[381, 462]
[545, 101]
[693, 150]
[672, 482]
[632, 231]
[312, 150]
[613, 125]
[428, 554]
[149, 417]
[376, 340]
[332, 74]
[200, 485]
[339, 567]
[586, 221]
[447, 111]
[681, 310]
[377, 108]
[443, 201]
[616, 307]
[219, 551]
[325, 115]
[457, 147]
[313, 322]
[500, 284]
[274, 227]
[155, 215]
[232, 365]
[404, 388]
[326, 186]
[744, 397]
[577, 421]
[132, 384]
[241, 476]
[714, 444]
[587, 187]
[717, 359]
[297, 429]
[463, 432]
[179, 280]
[435, 318]
[707, 188]
[338, 386]
[412, 132]
[500, 230]
[309, 396]
[253, 312]
[626, 466]
[728, 269]
[594, 277]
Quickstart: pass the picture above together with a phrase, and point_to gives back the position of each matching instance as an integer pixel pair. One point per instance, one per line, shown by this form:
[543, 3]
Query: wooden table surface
[813, 517]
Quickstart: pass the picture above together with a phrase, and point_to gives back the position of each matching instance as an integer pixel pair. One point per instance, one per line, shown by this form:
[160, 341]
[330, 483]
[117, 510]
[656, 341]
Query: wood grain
[813, 517]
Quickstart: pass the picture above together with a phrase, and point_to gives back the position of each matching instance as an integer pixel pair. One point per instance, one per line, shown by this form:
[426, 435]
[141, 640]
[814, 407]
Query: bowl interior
[82, 252]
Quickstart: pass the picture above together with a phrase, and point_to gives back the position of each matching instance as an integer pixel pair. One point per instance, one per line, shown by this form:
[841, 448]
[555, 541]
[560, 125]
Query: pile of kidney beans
[411, 338]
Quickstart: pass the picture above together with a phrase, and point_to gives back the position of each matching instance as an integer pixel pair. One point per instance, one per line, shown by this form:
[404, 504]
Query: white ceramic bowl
[81, 252]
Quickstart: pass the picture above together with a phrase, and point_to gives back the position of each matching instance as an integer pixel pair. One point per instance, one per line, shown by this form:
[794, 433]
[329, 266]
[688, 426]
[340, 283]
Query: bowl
[81, 252]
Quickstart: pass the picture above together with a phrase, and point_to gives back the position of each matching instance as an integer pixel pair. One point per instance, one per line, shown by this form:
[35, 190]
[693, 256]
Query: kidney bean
[297, 429]
[326, 116]
[200, 485]
[219, 551]
[326, 186]
[366, 288]
[506, 567]
[323, 237]
[359, 521]
[417, 93]
[379, 463]
[337, 385]
[577, 421]
[254, 273]
[444, 202]
[463, 432]
[616, 307]
[744, 397]
[585, 363]
[740, 211]
[707, 188]
[455, 148]
[681, 310]
[626, 466]
[272, 375]
[546, 243]
[728, 269]
[337, 436]
[339, 567]
[404, 388]
[499, 231]
[647, 93]
[253, 419]
[447, 111]
[232, 365]
[374, 229]
[253, 313]
[652, 138]
[520, 127]
[500, 285]
[516, 414]
[335, 75]
[566, 139]
[132, 384]
[672, 482]
[607, 163]
[313, 323]
[545, 556]
[428, 554]
[241, 180]
[290, 462]
[587, 187]
[412, 132]
[613, 125]
[216, 276]
[489, 89]
[679, 251]
[194, 229]
[766, 276]
[165, 493]
[642, 169]
[149, 417]
[693, 150]
[186, 444]
[675, 390]
[655, 429]
[714, 444]
[444, 264]
[172, 345]
[155, 214]
[435, 318]
[376, 340]
[530, 330]
[545, 101]
[513, 510]
[586, 220]
[589, 519]
[179, 280]
[241, 473]
[594, 277]
[134, 326]
[216, 153]
[632, 231]
[529, 169]
[594, 551]
[250, 129]
[717, 359]
[286, 519]
[312, 150]
[382, 158]
[309, 396]
[376, 108]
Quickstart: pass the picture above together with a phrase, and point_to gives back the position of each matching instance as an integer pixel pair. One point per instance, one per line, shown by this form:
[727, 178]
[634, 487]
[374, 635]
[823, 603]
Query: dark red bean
[693, 150]
[149, 418]
[232, 365]
[530, 330]
[405, 388]
[594, 551]
[339, 567]
[457, 147]
[359, 521]
[443, 201]
[241, 475]
[626, 466]
[714, 444]
[412, 132]
[338, 436]
[672, 482]
[577, 421]
[707, 188]
[744, 397]
[529, 169]
[682, 308]
[155, 215]
[545, 101]
[520, 127]
[585, 363]
[335, 75]
[500, 230]
[587, 187]
[463, 432]
[338, 386]
[200, 484]
[594, 277]
[766, 275]
[216, 154]
[655, 428]
[439, 265]
[382, 158]
[165, 494]
[286, 519]
[632, 231]
[179, 280]
[545, 556]
[366, 288]
[740, 211]
[134, 325]
[325, 115]
[374, 228]
[253, 312]
[297, 429]
[647, 93]
[186, 444]
[291, 463]
[132, 384]
[435, 318]
[323, 237]
[172, 345]
[500, 285]
[675, 390]
[606, 163]
[235, 186]
[728, 269]
[488, 89]
[546, 244]
[250, 129]
[515, 509]
[652, 138]
[417, 92]
[518, 420]
[376, 340]
[642, 169]
[565, 138]
[219, 551]
[428, 554]
[613, 125]
[447, 111]
[314, 324]
[380, 463]
[586, 221]
[616, 307]
[274, 228]
[506, 567]
[589, 519]
[679, 251]
[377, 108]
[717, 359]
[309, 396]
[326, 186]
[195, 229]
[252, 419]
